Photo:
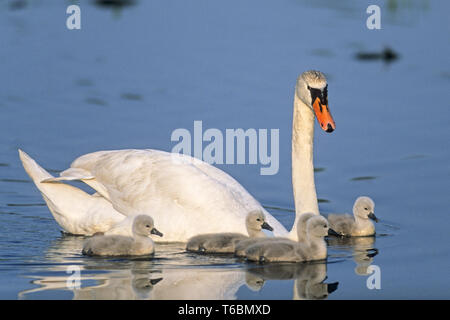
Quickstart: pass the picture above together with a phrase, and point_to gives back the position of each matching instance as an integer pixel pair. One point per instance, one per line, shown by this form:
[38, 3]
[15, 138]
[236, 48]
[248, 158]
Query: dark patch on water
[363, 178]
[114, 3]
[278, 208]
[17, 5]
[26, 204]
[84, 82]
[96, 101]
[131, 96]
[387, 55]
[14, 180]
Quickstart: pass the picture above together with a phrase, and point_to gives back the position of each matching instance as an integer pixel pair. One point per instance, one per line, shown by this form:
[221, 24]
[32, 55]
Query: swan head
[256, 221]
[143, 225]
[364, 208]
[312, 89]
[318, 227]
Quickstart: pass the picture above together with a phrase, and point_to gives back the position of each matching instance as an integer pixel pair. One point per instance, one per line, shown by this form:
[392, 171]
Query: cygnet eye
[366, 208]
[147, 226]
[258, 219]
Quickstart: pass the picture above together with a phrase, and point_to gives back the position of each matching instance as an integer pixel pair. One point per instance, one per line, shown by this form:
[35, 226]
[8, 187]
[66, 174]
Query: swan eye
[366, 208]
[258, 219]
[147, 226]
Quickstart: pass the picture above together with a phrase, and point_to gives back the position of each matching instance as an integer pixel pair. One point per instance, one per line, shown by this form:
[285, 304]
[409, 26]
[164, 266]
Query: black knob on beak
[329, 128]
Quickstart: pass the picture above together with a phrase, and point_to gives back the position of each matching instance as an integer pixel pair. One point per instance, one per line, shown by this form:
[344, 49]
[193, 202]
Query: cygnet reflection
[361, 248]
[308, 278]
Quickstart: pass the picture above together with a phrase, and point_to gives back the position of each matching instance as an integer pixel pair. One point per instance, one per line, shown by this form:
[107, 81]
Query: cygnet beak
[156, 232]
[331, 232]
[266, 226]
[331, 287]
[373, 217]
[155, 281]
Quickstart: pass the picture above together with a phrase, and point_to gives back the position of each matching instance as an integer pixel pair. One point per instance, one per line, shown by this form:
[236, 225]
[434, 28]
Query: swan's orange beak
[323, 116]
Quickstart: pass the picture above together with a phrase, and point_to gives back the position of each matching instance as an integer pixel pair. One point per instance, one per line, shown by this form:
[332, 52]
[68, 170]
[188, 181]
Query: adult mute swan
[185, 195]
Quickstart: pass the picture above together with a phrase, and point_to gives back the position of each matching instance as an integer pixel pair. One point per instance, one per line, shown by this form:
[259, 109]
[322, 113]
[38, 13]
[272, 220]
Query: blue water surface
[136, 72]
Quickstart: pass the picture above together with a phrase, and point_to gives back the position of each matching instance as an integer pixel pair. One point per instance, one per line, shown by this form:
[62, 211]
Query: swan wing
[185, 195]
[132, 178]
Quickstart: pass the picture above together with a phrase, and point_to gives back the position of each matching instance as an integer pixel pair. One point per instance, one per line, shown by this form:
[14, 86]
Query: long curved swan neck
[302, 162]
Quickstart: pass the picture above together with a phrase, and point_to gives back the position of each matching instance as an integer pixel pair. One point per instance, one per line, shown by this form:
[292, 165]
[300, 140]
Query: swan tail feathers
[35, 171]
[52, 192]
[72, 208]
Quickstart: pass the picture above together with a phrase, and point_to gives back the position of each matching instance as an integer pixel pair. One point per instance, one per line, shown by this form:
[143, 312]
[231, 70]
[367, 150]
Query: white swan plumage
[184, 194]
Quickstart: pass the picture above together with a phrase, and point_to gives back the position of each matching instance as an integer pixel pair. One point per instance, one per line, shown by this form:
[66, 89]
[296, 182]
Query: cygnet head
[364, 208]
[312, 89]
[318, 227]
[301, 225]
[256, 221]
[143, 225]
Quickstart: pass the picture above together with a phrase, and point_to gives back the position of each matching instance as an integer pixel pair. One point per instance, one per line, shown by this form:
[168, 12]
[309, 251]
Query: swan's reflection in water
[362, 250]
[308, 278]
[118, 287]
[171, 274]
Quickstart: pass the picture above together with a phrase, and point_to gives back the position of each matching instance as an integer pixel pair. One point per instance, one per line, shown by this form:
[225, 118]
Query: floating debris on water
[387, 55]
[115, 3]
[363, 178]
[26, 204]
[14, 180]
